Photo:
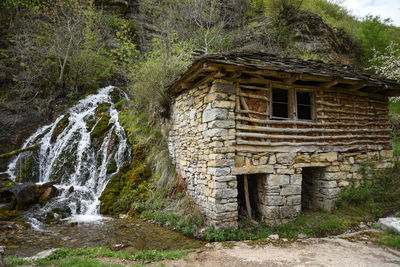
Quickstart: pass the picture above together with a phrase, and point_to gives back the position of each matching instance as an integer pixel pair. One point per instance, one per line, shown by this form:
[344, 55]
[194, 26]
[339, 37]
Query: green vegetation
[102, 126]
[86, 257]
[61, 125]
[390, 238]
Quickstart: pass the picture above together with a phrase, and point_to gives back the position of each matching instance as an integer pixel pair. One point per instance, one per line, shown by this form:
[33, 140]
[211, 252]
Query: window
[304, 105]
[292, 104]
[280, 103]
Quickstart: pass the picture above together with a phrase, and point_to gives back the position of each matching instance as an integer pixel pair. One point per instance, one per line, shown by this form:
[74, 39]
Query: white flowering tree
[387, 63]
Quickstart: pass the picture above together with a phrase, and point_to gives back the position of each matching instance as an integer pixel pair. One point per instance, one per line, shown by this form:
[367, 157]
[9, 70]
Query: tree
[61, 49]
[387, 63]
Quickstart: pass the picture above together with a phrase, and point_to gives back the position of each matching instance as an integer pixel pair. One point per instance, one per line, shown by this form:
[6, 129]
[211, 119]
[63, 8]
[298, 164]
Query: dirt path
[335, 251]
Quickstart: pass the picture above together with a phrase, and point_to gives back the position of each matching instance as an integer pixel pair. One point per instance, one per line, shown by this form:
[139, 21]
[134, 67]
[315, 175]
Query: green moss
[130, 185]
[119, 105]
[8, 214]
[98, 133]
[90, 124]
[112, 166]
[50, 218]
[27, 168]
[102, 109]
[61, 125]
[116, 95]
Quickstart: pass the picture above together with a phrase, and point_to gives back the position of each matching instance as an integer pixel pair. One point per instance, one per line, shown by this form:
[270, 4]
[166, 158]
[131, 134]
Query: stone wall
[202, 145]
[311, 180]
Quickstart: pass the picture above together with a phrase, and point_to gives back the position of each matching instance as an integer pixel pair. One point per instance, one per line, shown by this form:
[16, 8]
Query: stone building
[257, 135]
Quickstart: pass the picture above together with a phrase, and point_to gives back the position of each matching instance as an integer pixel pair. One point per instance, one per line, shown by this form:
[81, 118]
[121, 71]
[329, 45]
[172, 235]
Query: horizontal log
[254, 96]
[369, 118]
[309, 123]
[253, 87]
[350, 112]
[305, 130]
[275, 144]
[252, 112]
[16, 152]
[304, 149]
[306, 137]
[329, 104]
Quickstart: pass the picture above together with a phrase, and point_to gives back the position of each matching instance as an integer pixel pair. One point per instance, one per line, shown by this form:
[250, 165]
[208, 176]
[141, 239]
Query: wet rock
[391, 223]
[5, 181]
[22, 196]
[274, 237]
[71, 189]
[116, 247]
[42, 254]
[302, 236]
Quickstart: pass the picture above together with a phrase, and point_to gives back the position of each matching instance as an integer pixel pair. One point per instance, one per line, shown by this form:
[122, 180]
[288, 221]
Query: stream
[132, 234]
[81, 150]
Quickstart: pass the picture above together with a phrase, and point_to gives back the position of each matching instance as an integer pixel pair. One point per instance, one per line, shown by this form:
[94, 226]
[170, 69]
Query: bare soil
[346, 250]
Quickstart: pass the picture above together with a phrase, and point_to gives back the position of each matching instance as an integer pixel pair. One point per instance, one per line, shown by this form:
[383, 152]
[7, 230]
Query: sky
[383, 8]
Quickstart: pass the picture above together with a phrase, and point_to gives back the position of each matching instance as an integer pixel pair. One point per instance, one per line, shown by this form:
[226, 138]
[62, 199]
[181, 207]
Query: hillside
[55, 52]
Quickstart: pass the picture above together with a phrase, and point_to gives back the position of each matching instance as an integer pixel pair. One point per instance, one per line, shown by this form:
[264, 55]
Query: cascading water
[83, 149]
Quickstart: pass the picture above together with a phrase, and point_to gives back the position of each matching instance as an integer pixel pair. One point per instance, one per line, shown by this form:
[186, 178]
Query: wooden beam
[254, 96]
[329, 84]
[246, 196]
[220, 73]
[291, 80]
[237, 106]
[302, 144]
[308, 123]
[247, 111]
[357, 87]
[306, 137]
[255, 128]
[209, 77]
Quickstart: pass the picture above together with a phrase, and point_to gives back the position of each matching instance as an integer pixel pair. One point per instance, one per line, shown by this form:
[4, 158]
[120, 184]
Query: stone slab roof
[346, 75]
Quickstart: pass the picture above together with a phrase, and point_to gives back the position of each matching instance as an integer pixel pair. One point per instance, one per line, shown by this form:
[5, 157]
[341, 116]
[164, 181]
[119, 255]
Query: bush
[151, 75]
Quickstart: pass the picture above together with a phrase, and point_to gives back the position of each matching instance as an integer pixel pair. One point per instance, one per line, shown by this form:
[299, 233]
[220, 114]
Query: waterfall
[83, 148]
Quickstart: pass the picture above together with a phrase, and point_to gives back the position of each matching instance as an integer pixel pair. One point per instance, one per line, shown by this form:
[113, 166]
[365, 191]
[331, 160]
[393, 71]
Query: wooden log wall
[343, 121]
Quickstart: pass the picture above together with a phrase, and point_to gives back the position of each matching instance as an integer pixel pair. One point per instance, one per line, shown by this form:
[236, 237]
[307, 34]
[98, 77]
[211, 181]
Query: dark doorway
[253, 181]
[309, 187]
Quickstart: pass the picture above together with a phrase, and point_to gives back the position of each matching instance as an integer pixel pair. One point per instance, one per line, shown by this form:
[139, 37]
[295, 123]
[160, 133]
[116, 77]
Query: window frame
[292, 103]
[312, 103]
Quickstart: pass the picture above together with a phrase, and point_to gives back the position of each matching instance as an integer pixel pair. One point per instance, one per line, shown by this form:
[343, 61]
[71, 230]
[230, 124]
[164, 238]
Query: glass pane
[280, 110]
[279, 95]
[303, 98]
[304, 112]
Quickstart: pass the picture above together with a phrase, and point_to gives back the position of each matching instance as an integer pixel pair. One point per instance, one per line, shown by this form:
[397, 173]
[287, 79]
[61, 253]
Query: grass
[86, 257]
[390, 238]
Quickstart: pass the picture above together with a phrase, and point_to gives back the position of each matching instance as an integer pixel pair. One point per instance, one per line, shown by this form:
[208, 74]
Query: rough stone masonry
[202, 144]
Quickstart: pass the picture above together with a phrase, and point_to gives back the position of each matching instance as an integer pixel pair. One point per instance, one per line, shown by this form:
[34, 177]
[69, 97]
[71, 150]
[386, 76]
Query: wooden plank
[246, 111]
[256, 128]
[328, 104]
[246, 196]
[329, 84]
[308, 123]
[252, 87]
[306, 137]
[237, 106]
[275, 144]
[353, 118]
[209, 77]
[349, 112]
[244, 104]
[254, 96]
[303, 149]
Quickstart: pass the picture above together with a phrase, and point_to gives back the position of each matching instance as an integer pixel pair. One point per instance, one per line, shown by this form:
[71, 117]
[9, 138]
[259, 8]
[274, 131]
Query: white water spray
[82, 166]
